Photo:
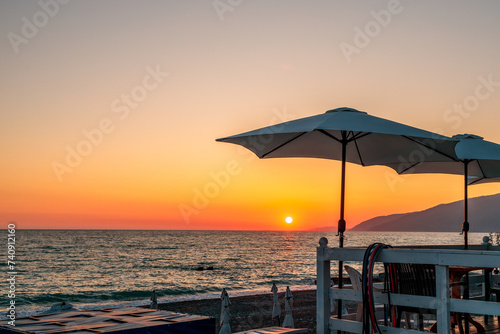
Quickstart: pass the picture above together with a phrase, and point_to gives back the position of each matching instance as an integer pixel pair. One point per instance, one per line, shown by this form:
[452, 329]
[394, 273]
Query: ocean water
[92, 269]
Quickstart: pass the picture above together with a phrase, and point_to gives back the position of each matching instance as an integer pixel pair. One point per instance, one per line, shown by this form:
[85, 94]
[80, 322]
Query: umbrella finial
[345, 109]
[466, 136]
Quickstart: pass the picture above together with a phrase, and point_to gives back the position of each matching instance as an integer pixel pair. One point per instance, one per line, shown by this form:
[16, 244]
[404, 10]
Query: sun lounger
[113, 320]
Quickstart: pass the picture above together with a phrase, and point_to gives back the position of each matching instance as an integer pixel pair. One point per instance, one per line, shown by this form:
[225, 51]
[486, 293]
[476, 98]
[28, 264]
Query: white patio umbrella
[347, 135]
[154, 300]
[478, 161]
[276, 303]
[225, 328]
[288, 322]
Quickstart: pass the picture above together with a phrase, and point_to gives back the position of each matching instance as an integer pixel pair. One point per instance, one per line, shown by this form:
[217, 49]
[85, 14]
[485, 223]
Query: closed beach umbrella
[478, 161]
[154, 300]
[276, 303]
[288, 322]
[222, 296]
[224, 317]
[347, 135]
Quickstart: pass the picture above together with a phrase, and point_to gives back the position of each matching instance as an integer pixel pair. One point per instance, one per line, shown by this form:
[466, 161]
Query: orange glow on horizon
[244, 204]
[157, 164]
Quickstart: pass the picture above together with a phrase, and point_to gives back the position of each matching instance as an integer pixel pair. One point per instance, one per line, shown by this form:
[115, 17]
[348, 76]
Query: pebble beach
[250, 312]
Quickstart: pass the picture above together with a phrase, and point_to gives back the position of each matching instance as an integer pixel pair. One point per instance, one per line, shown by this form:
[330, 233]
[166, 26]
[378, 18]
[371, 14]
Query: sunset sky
[110, 109]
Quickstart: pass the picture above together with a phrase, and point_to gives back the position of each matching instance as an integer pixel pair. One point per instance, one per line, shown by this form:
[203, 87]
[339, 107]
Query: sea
[95, 269]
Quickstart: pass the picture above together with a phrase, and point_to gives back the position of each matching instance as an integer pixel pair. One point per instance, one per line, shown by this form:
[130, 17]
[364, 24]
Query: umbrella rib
[476, 181]
[330, 135]
[359, 153]
[480, 168]
[404, 170]
[482, 172]
[359, 135]
[354, 138]
[283, 144]
[430, 148]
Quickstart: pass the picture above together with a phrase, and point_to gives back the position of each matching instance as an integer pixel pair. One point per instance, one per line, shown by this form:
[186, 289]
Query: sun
[289, 220]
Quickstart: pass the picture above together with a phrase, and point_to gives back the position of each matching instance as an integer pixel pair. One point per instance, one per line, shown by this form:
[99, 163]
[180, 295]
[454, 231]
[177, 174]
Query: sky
[110, 109]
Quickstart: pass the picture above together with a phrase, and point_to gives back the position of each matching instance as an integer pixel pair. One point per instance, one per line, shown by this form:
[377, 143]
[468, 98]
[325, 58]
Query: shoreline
[164, 300]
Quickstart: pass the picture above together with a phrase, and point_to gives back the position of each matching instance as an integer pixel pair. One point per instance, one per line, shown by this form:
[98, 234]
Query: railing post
[322, 289]
[443, 299]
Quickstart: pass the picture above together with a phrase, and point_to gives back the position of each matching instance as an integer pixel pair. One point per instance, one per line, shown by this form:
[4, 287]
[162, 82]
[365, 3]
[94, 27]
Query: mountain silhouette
[484, 216]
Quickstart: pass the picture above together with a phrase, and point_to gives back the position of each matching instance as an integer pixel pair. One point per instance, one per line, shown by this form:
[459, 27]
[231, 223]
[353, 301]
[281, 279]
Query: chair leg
[459, 322]
[497, 295]
[486, 298]
[398, 319]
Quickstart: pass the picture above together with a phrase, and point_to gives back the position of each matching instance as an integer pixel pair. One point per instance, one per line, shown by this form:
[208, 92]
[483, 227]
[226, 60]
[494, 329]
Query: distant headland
[484, 216]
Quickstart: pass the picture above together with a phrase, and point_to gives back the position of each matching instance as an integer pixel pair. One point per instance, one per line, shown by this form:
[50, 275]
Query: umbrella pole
[341, 223]
[465, 226]
[465, 230]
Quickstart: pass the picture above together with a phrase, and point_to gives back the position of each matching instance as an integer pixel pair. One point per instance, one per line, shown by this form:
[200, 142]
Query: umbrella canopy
[478, 161]
[276, 303]
[288, 322]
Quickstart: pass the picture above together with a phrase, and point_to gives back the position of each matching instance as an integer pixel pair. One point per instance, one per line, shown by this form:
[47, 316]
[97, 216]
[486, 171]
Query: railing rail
[441, 257]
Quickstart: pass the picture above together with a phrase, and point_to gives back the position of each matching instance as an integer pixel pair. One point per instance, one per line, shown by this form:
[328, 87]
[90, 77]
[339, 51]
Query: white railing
[443, 258]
